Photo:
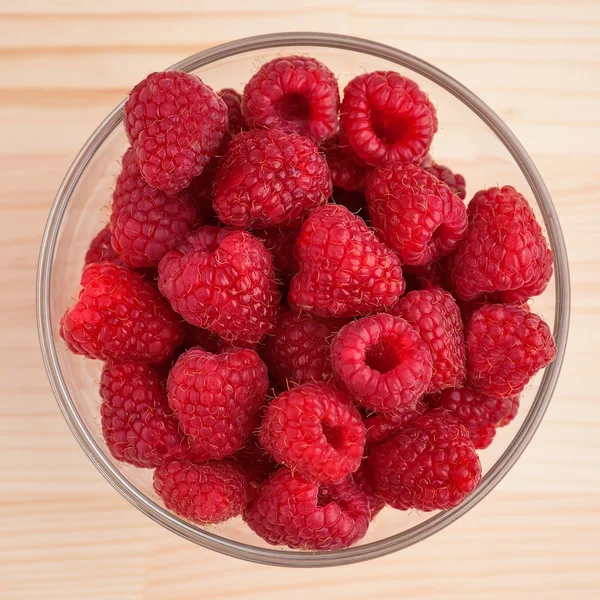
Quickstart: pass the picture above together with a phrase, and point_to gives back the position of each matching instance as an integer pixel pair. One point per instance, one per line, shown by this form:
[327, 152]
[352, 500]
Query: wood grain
[66, 533]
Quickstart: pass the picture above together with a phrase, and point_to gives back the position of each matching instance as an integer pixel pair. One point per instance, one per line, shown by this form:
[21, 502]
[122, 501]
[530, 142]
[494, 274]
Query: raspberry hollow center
[333, 435]
[294, 107]
[383, 357]
[388, 128]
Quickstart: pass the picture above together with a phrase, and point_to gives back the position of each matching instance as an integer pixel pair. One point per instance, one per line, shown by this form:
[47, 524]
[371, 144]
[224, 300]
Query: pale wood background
[65, 534]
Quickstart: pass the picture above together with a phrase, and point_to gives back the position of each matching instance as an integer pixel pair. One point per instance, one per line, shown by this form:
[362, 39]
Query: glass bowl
[472, 140]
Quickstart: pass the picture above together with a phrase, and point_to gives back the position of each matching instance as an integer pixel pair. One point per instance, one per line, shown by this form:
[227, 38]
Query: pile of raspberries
[301, 320]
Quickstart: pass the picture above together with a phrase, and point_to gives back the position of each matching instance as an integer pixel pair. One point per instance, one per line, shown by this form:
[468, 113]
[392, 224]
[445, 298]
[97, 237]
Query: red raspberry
[363, 482]
[504, 249]
[344, 270]
[508, 408]
[222, 280]
[385, 116]
[120, 317]
[295, 94]
[145, 222]
[506, 346]
[280, 243]
[382, 362]
[469, 307]
[293, 511]
[201, 190]
[479, 413]
[454, 181]
[175, 123]
[355, 202]
[299, 349]
[217, 397]
[429, 465]
[136, 421]
[436, 274]
[314, 430]
[269, 178]
[381, 427]
[346, 172]
[204, 494]
[418, 216]
[433, 313]
[196, 336]
[101, 250]
[255, 461]
[233, 100]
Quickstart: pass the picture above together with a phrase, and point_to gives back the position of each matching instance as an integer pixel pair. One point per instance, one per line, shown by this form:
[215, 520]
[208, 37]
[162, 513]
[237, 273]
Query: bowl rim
[272, 556]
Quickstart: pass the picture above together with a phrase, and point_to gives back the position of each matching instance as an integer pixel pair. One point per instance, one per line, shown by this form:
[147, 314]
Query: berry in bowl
[294, 296]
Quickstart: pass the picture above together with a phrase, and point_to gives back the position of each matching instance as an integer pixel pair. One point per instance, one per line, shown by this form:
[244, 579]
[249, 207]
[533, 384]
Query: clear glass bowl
[472, 140]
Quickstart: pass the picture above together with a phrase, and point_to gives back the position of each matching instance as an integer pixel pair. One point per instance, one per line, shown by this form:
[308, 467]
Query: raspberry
[433, 313]
[346, 172]
[204, 494]
[146, 223]
[222, 280]
[385, 116]
[479, 413]
[355, 202]
[418, 215]
[280, 243]
[299, 349]
[344, 270]
[136, 421]
[101, 250]
[504, 249]
[506, 346]
[269, 178]
[382, 362]
[196, 336]
[469, 307]
[255, 461]
[314, 430]
[293, 511]
[362, 481]
[381, 427]
[454, 181]
[175, 123]
[201, 190]
[120, 317]
[233, 100]
[217, 397]
[295, 94]
[508, 408]
[429, 465]
[436, 274]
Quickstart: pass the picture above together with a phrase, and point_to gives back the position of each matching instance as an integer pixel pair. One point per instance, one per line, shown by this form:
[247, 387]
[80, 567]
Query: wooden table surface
[65, 533]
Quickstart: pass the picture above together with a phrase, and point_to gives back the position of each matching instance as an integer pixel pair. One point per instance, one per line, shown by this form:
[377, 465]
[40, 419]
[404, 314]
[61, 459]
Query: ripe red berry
[385, 116]
[454, 181]
[346, 172]
[363, 482]
[210, 493]
[315, 431]
[506, 346]
[216, 398]
[381, 427]
[268, 178]
[222, 280]
[433, 313]
[294, 94]
[504, 249]
[429, 465]
[145, 222]
[418, 215]
[255, 461]
[101, 250]
[344, 270]
[174, 123]
[280, 243]
[289, 510]
[382, 361]
[233, 100]
[120, 317]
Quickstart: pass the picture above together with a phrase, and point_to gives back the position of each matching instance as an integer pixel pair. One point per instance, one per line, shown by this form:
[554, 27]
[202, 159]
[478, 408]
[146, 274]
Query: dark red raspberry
[255, 461]
[174, 123]
[101, 250]
[436, 274]
[429, 465]
[344, 270]
[299, 349]
[201, 189]
[216, 398]
[363, 482]
[504, 249]
[454, 181]
[346, 172]
[436, 318]
[508, 408]
[469, 307]
[381, 427]
[210, 493]
[222, 280]
[233, 100]
[196, 336]
[479, 413]
[289, 510]
[418, 215]
[355, 202]
[385, 116]
[145, 222]
[136, 420]
[118, 316]
[314, 430]
[295, 94]
[268, 178]
[383, 362]
[506, 346]
[280, 243]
